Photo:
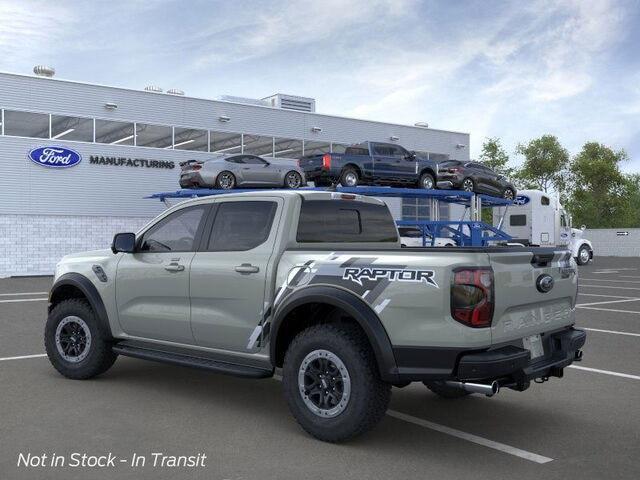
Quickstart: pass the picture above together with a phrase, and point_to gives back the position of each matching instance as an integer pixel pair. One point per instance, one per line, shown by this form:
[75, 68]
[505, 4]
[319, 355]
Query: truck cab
[537, 218]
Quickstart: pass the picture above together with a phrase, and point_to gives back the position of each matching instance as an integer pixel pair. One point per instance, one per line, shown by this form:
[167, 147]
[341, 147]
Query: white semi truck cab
[538, 218]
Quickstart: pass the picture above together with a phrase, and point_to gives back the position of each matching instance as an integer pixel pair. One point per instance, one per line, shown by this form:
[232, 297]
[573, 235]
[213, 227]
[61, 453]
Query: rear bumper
[192, 180]
[313, 174]
[509, 364]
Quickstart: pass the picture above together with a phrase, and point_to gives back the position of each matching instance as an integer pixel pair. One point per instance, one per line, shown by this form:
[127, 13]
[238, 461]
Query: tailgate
[316, 162]
[521, 308]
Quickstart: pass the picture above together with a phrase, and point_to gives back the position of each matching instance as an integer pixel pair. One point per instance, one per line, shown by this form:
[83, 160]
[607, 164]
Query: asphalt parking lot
[586, 425]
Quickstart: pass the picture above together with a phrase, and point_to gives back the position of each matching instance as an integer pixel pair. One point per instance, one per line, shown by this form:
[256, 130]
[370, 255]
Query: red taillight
[326, 161]
[454, 170]
[472, 296]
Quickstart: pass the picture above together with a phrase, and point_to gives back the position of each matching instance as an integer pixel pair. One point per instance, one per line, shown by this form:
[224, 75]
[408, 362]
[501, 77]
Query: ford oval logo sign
[544, 283]
[521, 200]
[55, 157]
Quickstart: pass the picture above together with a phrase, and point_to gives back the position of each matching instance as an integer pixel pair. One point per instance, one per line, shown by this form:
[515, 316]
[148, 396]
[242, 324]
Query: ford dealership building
[77, 160]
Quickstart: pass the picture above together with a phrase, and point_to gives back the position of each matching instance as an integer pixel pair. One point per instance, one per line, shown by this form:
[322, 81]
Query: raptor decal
[356, 274]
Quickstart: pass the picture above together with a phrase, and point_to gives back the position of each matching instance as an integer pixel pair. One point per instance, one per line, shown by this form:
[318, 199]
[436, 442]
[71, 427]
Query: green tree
[545, 164]
[495, 157]
[601, 195]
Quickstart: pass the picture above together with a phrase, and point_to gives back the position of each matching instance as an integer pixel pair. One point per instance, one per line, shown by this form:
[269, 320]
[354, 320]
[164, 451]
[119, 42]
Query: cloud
[285, 25]
[28, 29]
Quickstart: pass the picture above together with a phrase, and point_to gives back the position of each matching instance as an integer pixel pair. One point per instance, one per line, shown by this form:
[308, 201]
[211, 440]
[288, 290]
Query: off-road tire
[100, 357]
[423, 178]
[444, 391]
[346, 172]
[369, 396]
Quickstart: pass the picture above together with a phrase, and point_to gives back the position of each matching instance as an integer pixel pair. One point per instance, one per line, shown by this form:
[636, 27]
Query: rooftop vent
[153, 88]
[44, 71]
[292, 102]
[175, 91]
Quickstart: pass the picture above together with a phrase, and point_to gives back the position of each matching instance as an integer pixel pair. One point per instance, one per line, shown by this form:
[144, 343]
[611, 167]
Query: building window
[26, 124]
[157, 136]
[338, 147]
[71, 128]
[416, 209]
[114, 133]
[190, 139]
[257, 145]
[226, 143]
[287, 148]
[316, 148]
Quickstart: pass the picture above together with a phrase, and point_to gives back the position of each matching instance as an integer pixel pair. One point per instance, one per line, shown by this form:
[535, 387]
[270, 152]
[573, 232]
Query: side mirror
[124, 242]
[583, 227]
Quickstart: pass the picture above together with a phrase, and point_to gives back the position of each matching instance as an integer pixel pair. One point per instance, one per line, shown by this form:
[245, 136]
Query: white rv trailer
[538, 218]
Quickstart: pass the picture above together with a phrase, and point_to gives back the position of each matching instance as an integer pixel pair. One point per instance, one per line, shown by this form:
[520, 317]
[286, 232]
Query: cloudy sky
[515, 70]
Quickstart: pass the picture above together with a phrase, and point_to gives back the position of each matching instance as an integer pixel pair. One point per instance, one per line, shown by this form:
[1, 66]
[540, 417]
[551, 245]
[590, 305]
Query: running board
[191, 361]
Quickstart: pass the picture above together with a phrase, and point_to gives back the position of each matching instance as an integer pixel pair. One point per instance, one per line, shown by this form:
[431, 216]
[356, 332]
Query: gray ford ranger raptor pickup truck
[316, 284]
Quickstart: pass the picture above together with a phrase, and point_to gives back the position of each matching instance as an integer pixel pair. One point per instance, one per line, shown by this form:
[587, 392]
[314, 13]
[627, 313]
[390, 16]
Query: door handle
[174, 267]
[247, 268]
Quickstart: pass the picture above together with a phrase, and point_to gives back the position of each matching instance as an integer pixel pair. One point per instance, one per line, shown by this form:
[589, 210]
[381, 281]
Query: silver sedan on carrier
[241, 170]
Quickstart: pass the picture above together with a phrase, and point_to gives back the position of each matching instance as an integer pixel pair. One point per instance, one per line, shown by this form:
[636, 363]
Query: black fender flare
[89, 291]
[357, 308]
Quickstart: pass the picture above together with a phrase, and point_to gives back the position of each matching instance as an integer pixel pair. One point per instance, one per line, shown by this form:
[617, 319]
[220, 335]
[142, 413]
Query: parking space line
[23, 357]
[606, 372]
[611, 331]
[22, 293]
[533, 457]
[608, 309]
[601, 295]
[17, 300]
[607, 301]
[610, 286]
[614, 281]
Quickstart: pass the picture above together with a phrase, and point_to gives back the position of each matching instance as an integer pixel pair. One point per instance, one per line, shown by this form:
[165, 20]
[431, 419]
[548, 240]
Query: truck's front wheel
[76, 344]
[584, 255]
[332, 384]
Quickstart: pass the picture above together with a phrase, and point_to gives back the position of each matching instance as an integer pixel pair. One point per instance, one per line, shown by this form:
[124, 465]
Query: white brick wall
[33, 244]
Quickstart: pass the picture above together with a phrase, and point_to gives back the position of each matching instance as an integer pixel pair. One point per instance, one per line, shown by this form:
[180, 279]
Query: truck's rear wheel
[427, 182]
[442, 390]
[76, 344]
[349, 177]
[332, 384]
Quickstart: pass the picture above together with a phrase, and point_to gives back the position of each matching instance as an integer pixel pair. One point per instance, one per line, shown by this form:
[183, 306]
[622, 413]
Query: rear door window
[240, 226]
[325, 221]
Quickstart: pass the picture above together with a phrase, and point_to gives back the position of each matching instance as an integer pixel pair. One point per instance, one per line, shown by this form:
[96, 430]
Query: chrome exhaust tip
[486, 389]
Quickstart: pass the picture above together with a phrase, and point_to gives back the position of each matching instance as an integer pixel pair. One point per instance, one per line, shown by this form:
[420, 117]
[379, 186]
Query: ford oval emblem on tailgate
[544, 283]
[55, 157]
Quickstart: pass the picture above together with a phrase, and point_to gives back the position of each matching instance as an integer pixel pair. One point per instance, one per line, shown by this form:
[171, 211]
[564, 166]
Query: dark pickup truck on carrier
[371, 163]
